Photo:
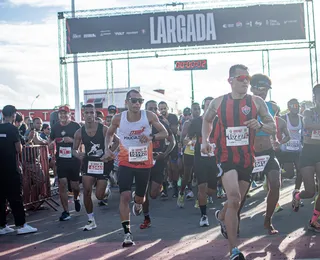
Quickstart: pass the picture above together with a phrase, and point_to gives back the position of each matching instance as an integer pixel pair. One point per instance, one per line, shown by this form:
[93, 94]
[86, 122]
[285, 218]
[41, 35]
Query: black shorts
[188, 160]
[310, 155]
[108, 167]
[244, 174]
[206, 171]
[287, 157]
[157, 172]
[69, 169]
[126, 175]
[273, 164]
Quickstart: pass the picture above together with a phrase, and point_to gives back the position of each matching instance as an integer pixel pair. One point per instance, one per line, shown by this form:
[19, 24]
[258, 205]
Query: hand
[78, 155]
[67, 140]
[160, 157]
[108, 156]
[51, 146]
[31, 135]
[253, 124]
[276, 145]
[145, 139]
[206, 148]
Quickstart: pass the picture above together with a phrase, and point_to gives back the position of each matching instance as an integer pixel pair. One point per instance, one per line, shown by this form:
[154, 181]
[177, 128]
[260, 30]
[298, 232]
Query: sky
[30, 62]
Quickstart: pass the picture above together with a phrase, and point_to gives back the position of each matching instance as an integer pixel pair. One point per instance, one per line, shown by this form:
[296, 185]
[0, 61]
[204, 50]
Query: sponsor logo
[143, 31]
[105, 33]
[132, 33]
[63, 133]
[272, 22]
[258, 23]
[119, 33]
[246, 110]
[76, 36]
[249, 23]
[89, 35]
[137, 132]
[239, 24]
[182, 28]
[290, 21]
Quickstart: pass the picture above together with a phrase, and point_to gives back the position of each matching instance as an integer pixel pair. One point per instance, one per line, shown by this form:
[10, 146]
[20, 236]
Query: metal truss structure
[264, 47]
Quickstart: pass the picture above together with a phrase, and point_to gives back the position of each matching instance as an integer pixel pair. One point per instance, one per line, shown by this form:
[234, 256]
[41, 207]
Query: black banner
[186, 28]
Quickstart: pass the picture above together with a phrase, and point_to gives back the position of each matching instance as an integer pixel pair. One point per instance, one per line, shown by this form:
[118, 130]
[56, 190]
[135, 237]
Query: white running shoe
[6, 230]
[26, 229]
[91, 225]
[204, 222]
[128, 240]
[190, 195]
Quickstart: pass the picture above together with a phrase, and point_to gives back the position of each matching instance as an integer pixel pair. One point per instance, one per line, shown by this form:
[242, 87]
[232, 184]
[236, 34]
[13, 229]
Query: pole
[77, 115]
[34, 101]
[192, 90]
[112, 82]
[128, 60]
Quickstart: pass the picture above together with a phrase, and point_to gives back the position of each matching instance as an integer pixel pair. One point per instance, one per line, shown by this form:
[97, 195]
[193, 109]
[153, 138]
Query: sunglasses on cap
[135, 100]
[242, 78]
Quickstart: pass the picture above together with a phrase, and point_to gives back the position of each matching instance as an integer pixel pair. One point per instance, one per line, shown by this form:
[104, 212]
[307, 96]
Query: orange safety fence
[34, 164]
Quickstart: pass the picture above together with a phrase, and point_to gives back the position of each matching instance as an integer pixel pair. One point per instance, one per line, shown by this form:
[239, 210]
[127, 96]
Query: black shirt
[59, 131]
[94, 145]
[159, 146]
[195, 130]
[9, 136]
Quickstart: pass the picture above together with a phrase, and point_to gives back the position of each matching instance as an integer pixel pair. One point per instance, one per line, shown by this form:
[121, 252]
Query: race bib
[260, 163]
[138, 154]
[65, 152]
[213, 146]
[95, 167]
[293, 145]
[315, 134]
[237, 136]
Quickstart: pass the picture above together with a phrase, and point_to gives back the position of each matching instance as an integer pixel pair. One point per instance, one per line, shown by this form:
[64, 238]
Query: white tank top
[295, 132]
[133, 153]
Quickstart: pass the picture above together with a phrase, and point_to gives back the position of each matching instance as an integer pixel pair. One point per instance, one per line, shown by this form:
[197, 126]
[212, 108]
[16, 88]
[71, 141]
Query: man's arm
[268, 125]
[111, 132]
[154, 121]
[207, 125]
[184, 132]
[38, 140]
[115, 140]
[308, 122]
[284, 130]
[77, 142]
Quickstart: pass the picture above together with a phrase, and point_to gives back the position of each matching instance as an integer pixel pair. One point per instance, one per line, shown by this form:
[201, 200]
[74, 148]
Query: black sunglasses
[135, 100]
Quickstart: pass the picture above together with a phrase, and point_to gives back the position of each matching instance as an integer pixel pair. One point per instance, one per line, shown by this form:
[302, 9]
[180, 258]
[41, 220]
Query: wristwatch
[261, 125]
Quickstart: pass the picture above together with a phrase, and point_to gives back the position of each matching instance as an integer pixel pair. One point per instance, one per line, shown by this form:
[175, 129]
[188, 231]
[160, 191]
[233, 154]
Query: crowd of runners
[237, 136]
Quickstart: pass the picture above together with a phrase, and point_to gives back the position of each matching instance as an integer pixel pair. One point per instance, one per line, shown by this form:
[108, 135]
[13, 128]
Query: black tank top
[94, 146]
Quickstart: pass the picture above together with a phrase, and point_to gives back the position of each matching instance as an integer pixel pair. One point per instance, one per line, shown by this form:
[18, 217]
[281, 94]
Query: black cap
[112, 108]
[186, 111]
[260, 80]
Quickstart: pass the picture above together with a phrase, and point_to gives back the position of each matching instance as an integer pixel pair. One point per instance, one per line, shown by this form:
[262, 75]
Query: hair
[88, 106]
[99, 114]
[19, 117]
[232, 70]
[205, 100]
[148, 102]
[37, 118]
[131, 91]
[292, 100]
[163, 103]
[9, 111]
[44, 126]
[315, 88]
[258, 79]
[195, 104]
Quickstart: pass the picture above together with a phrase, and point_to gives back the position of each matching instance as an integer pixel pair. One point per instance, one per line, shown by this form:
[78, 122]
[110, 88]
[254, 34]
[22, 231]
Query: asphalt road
[174, 234]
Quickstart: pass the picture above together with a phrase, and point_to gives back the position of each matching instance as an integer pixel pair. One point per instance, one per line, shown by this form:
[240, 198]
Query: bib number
[138, 154]
[213, 146]
[237, 136]
[315, 134]
[65, 152]
[95, 167]
[293, 145]
[260, 163]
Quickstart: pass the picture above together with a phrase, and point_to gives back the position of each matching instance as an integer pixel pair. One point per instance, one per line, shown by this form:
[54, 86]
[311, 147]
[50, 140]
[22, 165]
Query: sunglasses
[261, 88]
[135, 100]
[294, 105]
[242, 78]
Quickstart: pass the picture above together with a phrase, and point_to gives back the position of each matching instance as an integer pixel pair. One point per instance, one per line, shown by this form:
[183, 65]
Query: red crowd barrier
[34, 164]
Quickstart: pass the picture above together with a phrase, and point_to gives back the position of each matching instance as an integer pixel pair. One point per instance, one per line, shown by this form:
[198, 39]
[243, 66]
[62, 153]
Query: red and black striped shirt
[233, 113]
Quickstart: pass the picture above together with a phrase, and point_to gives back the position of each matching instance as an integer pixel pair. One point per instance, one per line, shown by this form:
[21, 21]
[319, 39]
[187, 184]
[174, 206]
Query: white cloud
[29, 65]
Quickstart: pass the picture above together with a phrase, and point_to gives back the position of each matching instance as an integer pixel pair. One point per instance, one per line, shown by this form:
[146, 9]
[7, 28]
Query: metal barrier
[34, 162]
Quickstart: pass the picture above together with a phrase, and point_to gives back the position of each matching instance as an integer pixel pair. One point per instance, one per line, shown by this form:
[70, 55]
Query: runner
[237, 123]
[135, 156]
[310, 159]
[68, 167]
[264, 152]
[205, 167]
[290, 152]
[92, 136]
[160, 152]
[188, 156]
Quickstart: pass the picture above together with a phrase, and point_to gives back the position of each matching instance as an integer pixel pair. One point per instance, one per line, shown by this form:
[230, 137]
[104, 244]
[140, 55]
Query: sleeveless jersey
[133, 153]
[94, 150]
[269, 105]
[316, 120]
[234, 140]
[295, 132]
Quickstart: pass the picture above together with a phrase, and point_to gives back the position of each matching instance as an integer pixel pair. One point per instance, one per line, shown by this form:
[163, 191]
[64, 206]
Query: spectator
[45, 132]
[10, 186]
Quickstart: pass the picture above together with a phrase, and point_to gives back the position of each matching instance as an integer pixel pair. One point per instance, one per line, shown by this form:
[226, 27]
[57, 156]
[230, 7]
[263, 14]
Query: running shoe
[90, 225]
[295, 202]
[128, 240]
[204, 222]
[65, 216]
[196, 204]
[314, 226]
[77, 205]
[6, 230]
[190, 195]
[180, 201]
[137, 209]
[236, 254]
[146, 224]
[26, 229]
[223, 228]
